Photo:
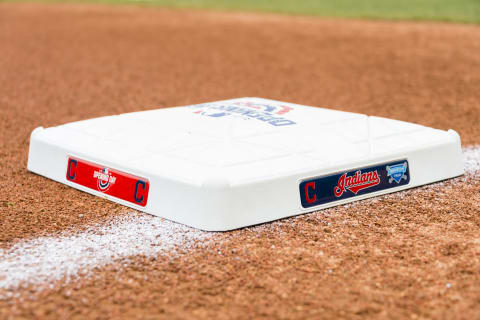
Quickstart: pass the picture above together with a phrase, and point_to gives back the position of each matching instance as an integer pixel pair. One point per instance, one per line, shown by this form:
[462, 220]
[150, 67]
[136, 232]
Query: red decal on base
[113, 182]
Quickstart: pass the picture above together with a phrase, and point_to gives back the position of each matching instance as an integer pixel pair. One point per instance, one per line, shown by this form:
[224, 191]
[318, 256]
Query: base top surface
[238, 141]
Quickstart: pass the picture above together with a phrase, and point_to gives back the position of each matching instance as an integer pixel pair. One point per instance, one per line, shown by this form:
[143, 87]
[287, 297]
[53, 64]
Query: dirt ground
[415, 256]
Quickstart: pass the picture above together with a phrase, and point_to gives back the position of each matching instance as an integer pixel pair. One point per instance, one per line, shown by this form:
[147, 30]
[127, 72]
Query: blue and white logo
[246, 110]
[397, 172]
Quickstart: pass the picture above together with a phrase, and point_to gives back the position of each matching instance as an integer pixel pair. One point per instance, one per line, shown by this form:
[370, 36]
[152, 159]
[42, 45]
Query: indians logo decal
[357, 182]
[268, 113]
[353, 183]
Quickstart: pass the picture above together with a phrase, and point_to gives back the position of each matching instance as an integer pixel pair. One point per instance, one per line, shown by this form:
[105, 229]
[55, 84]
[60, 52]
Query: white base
[235, 163]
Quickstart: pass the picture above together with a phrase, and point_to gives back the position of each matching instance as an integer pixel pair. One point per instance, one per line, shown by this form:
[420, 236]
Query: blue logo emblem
[246, 110]
[397, 172]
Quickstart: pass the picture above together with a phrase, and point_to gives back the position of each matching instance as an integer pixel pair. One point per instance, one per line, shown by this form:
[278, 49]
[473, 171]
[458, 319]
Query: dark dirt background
[392, 258]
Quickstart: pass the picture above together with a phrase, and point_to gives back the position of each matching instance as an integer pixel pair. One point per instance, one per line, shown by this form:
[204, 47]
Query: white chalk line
[472, 160]
[44, 260]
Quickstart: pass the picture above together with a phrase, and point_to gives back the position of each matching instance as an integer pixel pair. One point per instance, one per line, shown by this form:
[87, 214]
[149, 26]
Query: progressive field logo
[348, 184]
[397, 172]
[268, 113]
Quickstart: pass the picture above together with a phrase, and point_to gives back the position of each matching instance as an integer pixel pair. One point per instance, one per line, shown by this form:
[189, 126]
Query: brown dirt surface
[409, 256]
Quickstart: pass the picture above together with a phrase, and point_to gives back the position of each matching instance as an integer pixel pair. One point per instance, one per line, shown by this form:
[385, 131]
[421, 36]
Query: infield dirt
[414, 254]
